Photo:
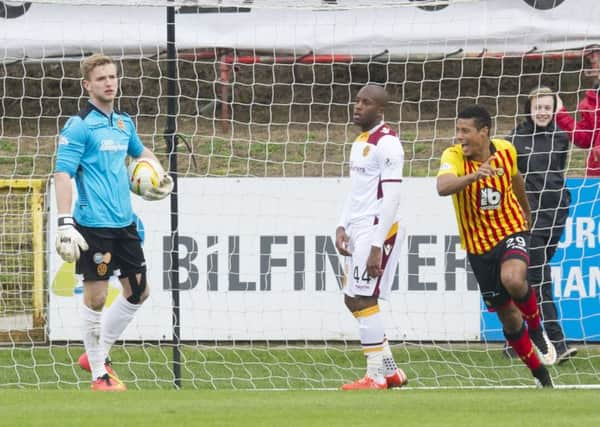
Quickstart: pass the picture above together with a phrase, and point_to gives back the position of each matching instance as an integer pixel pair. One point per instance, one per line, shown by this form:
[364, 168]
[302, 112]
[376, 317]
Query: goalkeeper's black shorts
[110, 250]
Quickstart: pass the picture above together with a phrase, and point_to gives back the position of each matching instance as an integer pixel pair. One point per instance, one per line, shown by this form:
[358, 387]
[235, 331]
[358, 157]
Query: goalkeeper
[493, 215]
[100, 235]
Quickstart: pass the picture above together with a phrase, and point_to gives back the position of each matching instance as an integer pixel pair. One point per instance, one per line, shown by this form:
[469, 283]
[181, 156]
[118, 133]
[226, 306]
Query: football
[143, 175]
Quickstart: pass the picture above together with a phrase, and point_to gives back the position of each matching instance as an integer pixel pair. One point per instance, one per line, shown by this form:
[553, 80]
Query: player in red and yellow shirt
[493, 213]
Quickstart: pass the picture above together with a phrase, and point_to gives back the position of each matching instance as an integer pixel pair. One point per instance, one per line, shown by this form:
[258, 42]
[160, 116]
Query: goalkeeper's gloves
[162, 190]
[68, 240]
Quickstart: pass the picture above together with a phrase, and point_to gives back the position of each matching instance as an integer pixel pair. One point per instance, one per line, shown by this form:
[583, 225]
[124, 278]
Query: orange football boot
[365, 383]
[397, 379]
[84, 364]
[107, 383]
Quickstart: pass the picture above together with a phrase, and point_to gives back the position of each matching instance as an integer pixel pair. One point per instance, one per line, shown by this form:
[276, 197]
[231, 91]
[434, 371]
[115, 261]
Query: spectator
[542, 151]
[585, 133]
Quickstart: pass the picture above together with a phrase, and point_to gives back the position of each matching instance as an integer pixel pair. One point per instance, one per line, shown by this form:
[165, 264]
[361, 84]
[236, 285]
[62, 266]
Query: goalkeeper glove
[164, 188]
[68, 240]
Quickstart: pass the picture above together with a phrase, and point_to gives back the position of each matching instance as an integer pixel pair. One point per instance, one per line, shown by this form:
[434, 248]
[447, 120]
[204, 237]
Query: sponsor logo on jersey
[358, 169]
[110, 145]
[490, 199]
[62, 140]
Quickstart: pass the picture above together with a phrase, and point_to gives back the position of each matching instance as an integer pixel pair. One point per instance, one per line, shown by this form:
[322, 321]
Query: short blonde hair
[93, 61]
[540, 91]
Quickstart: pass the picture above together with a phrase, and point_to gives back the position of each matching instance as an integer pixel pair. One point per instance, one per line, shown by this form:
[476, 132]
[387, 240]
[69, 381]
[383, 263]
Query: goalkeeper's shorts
[111, 250]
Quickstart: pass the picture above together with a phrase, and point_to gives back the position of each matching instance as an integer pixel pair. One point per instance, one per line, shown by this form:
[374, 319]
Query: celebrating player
[101, 235]
[369, 234]
[493, 213]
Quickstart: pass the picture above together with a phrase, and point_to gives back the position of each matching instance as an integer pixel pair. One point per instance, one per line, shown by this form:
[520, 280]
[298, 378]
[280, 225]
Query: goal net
[263, 121]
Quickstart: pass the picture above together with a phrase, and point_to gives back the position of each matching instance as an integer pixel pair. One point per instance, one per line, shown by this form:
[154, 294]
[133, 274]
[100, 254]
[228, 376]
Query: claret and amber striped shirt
[487, 210]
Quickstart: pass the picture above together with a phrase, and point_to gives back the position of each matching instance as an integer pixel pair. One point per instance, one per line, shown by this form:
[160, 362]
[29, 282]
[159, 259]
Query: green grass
[250, 150]
[301, 408]
[267, 367]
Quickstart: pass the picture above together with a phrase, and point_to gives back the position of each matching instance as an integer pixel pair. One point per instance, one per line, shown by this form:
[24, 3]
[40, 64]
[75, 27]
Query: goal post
[22, 266]
[263, 120]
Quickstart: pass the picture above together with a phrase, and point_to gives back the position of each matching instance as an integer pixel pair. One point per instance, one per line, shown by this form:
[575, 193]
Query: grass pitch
[288, 367]
[516, 407]
[234, 386]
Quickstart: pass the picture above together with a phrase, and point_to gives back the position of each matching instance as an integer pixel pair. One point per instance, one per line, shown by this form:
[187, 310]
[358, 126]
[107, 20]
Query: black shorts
[110, 249]
[487, 268]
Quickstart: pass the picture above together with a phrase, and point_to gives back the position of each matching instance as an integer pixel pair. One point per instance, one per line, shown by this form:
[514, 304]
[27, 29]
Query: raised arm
[581, 132]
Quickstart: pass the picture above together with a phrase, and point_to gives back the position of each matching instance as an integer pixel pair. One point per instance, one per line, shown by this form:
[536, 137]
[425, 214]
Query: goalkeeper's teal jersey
[92, 148]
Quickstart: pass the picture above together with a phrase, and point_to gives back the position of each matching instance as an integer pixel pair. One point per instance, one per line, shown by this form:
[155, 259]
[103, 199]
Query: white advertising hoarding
[257, 262]
[46, 30]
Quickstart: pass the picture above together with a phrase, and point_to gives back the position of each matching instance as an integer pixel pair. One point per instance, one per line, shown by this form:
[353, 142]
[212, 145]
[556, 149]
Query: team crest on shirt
[366, 150]
[500, 172]
[121, 124]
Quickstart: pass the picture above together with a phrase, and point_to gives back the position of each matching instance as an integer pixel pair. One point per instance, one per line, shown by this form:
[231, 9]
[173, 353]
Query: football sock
[115, 320]
[90, 327]
[522, 345]
[372, 336]
[529, 308]
[389, 364]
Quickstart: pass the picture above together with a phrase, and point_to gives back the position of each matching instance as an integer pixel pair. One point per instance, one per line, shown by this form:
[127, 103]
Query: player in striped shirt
[493, 214]
[370, 233]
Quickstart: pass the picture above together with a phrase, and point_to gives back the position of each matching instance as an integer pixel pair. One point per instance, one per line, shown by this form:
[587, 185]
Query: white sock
[389, 364]
[372, 337]
[115, 320]
[90, 327]
[375, 366]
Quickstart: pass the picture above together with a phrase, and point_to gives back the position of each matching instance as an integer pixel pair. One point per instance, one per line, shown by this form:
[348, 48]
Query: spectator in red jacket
[585, 133]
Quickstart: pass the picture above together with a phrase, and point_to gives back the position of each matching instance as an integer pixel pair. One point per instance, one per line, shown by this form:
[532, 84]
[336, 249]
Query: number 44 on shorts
[365, 276]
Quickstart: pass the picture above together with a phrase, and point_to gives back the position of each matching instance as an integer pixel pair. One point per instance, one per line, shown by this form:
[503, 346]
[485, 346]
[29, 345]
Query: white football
[143, 175]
